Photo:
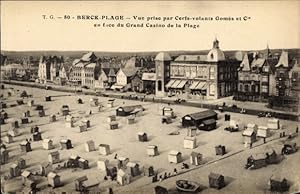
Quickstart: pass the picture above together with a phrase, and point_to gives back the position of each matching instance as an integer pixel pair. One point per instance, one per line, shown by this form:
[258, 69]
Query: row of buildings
[248, 76]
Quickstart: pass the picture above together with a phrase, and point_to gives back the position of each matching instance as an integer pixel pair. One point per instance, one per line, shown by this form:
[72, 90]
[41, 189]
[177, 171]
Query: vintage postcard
[150, 97]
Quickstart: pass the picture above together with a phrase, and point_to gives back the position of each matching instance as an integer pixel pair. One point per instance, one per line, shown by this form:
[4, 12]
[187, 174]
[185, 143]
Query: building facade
[254, 76]
[208, 76]
[49, 68]
[85, 71]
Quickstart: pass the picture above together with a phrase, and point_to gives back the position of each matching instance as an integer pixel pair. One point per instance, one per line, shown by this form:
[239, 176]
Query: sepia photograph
[150, 97]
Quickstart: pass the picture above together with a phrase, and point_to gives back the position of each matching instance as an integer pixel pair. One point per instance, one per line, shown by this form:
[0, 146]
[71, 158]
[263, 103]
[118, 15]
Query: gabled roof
[202, 115]
[129, 72]
[81, 179]
[259, 62]
[89, 57]
[245, 65]
[283, 60]
[248, 132]
[26, 173]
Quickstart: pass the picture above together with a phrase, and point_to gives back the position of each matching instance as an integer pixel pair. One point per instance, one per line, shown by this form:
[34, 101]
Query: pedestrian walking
[116, 156]
[160, 178]
[251, 145]
[264, 140]
[165, 176]
[297, 129]
[175, 171]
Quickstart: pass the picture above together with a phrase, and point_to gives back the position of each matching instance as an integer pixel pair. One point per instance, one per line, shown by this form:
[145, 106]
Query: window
[264, 89]
[264, 79]
[246, 88]
[241, 88]
[212, 89]
[212, 73]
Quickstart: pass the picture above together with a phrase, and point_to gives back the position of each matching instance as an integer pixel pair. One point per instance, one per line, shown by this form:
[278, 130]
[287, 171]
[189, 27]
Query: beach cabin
[26, 113]
[168, 112]
[39, 107]
[53, 180]
[122, 162]
[30, 103]
[279, 185]
[113, 125]
[21, 163]
[256, 161]
[66, 144]
[90, 146]
[20, 102]
[13, 132]
[25, 146]
[91, 186]
[52, 118]
[192, 132]
[196, 119]
[111, 118]
[86, 122]
[24, 120]
[252, 126]
[273, 124]
[263, 132]
[123, 177]
[129, 110]
[208, 125]
[152, 150]
[249, 136]
[3, 105]
[189, 143]
[104, 149]
[220, 150]
[3, 114]
[82, 128]
[54, 157]
[195, 158]
[65, 111]
[148, 170]
[130, 120]
[48, 144]
[37, 136]
[41, 113]
[94, 102]
[45, 168]
[34, 129]
[272, 157]
[73, 161]
[216, 181]
[3, 155]
[134, 169]
[110, 103]
[14, 170]
[15, 124]
[26, 176]
[83, 163]
[79, 101]
[2, 121]
[102, 164]
[78, 183]
[8, 138]
[47, 98]
[142, 136]
[174, 157]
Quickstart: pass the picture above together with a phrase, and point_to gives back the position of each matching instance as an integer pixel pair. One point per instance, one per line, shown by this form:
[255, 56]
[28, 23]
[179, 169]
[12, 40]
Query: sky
[23, 28]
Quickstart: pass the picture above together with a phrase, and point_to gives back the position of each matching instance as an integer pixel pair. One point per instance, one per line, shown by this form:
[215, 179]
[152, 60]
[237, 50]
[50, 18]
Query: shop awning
[181, 84]
[194, 85]
[170, 83]
[201, 86]
[117, 87]
[175, 84]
